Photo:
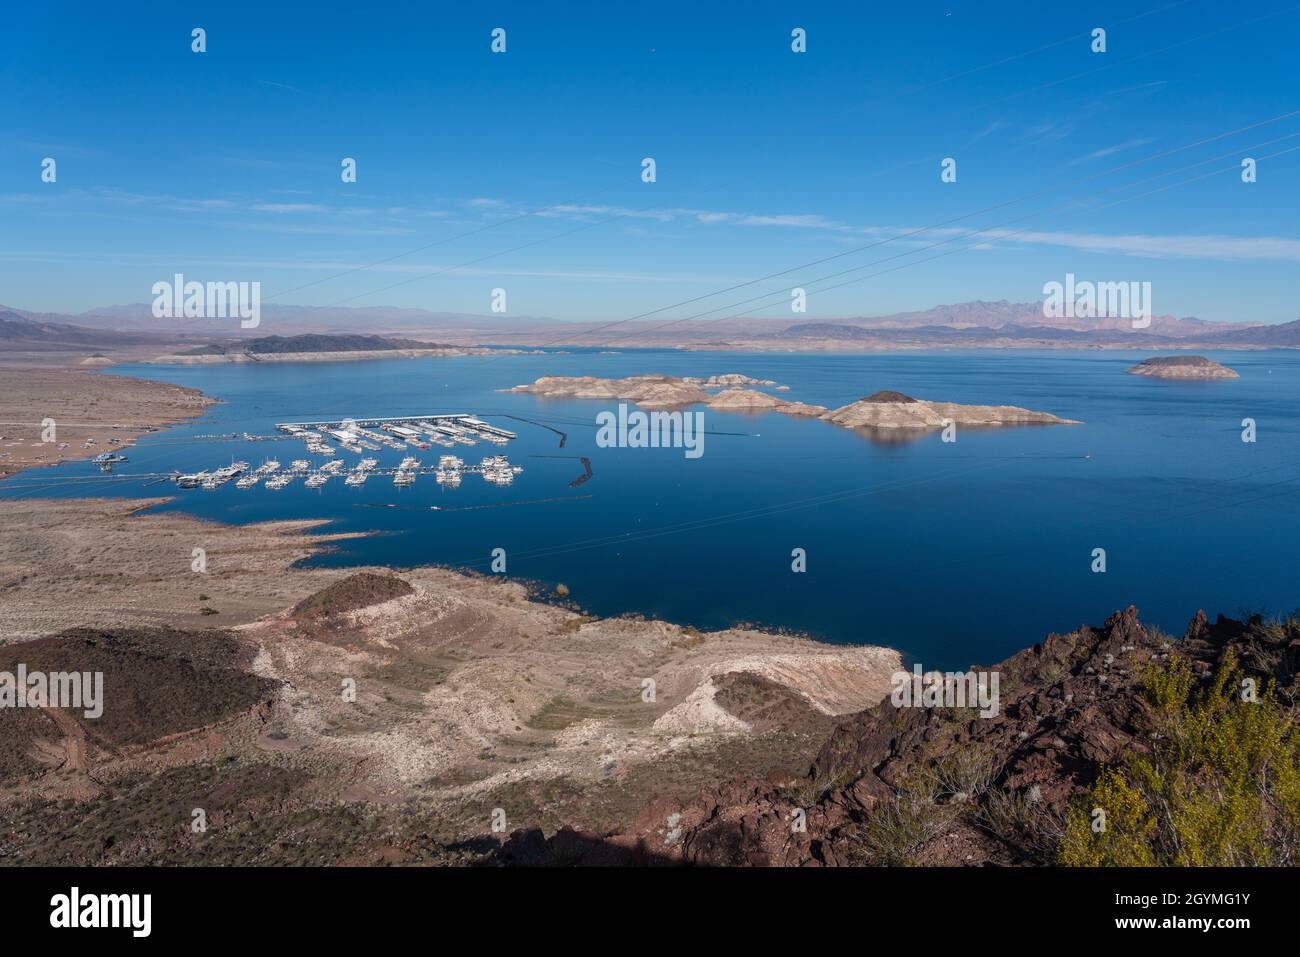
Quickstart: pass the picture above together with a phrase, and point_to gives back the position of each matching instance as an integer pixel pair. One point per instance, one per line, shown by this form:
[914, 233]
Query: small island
[1182, 367]
[894, 410]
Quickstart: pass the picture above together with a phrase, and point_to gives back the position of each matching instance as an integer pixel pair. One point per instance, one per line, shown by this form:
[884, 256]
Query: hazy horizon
[225, 165]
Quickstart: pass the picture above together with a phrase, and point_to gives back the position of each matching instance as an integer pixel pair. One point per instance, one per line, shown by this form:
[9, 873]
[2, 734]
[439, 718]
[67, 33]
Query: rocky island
[885, 409]
[1182, 367]
[894, 410]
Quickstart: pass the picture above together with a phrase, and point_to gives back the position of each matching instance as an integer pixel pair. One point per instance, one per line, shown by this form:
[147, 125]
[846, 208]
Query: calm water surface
[952, 552]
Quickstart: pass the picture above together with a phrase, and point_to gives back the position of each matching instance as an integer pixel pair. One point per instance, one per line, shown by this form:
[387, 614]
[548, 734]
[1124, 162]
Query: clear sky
[225, 165]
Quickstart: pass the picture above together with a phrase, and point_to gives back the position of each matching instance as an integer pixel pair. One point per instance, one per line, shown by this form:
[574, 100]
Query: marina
[359, 436]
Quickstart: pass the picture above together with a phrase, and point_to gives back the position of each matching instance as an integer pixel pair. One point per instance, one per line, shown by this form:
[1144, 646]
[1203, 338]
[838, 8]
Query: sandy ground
[91, 413]
[469, 695]
[99, 562]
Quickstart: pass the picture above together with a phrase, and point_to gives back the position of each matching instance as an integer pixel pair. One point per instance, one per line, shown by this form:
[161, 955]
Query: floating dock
[456, 421]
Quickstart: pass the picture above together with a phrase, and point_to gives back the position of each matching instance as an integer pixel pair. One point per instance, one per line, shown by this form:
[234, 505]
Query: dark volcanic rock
[348, 594]
[155, 682]
[888, 395]
[1068, 707]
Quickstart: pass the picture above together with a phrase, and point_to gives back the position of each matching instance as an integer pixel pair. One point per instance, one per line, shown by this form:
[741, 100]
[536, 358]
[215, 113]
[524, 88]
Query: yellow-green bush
[1221, 786]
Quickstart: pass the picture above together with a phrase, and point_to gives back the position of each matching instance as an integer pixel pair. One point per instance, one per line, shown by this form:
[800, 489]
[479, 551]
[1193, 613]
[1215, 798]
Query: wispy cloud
[1194, 246]
[289, 207]
[165, 262]
[1117, 148]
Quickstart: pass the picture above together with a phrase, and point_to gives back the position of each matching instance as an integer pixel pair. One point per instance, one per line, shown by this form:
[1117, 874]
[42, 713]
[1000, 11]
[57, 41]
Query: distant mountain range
[1286, 335]
[19, 332]
[970, 324]
[138, 317]
[999, 314]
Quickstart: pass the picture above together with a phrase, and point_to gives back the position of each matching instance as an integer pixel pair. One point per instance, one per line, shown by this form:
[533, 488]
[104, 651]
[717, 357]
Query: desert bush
[900, 826]
[1031, 828]
[1221, 786]
[964, 775]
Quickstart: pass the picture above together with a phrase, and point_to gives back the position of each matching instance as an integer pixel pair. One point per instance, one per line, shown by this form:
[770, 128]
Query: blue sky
[225, 165]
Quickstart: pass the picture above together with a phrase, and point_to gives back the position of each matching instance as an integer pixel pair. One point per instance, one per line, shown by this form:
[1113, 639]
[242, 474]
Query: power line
[922, 229]
[986, 230]
[716, 186]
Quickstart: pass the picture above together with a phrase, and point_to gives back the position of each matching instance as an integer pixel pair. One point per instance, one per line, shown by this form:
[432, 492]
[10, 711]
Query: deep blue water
[954, 553]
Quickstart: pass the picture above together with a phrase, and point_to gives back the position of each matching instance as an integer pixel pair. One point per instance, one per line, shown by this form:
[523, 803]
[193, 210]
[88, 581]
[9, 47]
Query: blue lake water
[954, 553]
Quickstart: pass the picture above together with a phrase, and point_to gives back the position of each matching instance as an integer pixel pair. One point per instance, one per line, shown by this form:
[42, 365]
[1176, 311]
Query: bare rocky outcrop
[1182, 367]
[651, 391]
[658, 391]
[349, 594]
[727, 381]
[1070, 706]
[894, 410]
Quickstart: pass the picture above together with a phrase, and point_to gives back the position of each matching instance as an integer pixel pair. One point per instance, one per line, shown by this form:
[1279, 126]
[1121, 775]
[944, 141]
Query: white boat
[270, 465]
[446, 477]
[299, 465]
[248, 481]
[356, 478]
[193, 480]
[404, 478]
[279, 481]
[450, 462]
[410, 462]
[317, 480]
[366, 464]
[227, 472]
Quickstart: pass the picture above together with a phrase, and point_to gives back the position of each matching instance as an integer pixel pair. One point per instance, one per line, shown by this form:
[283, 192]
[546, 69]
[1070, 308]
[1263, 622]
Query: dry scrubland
[225, 692]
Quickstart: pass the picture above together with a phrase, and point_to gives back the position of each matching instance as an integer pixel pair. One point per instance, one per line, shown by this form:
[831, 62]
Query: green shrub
[1220, 788]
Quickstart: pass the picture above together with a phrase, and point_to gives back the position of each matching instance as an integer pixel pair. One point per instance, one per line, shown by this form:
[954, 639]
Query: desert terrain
[91, 413]
[228, 690]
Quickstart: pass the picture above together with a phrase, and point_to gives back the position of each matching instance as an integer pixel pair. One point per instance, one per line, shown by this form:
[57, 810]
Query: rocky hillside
[276, 345]
[944, 786]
